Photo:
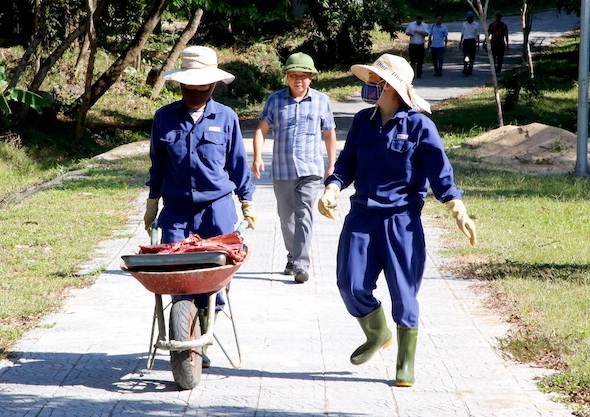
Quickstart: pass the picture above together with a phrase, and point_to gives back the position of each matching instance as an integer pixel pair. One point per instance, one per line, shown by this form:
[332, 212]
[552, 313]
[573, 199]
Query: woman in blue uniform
[392, 153]
[198, 160]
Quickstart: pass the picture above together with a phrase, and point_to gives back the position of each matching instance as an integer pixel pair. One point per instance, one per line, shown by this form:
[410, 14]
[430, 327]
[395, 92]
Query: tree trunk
[527, 26]
[39, 30]
[481, 12]
[185, 37]
[50, 61]
[84, 49]
[108, 78]
[91, 36]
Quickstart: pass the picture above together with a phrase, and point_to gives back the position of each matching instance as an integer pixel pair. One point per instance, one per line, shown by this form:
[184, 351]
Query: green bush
[258, 72]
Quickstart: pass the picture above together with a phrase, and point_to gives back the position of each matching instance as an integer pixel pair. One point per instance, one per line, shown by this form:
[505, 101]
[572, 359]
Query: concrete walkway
[89, 358]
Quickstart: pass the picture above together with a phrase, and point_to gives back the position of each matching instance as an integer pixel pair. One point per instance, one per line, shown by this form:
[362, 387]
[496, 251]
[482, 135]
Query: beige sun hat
[396, 72]
[198, 67]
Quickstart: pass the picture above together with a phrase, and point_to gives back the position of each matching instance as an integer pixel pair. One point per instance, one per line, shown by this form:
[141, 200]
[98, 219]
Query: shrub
[258, 72]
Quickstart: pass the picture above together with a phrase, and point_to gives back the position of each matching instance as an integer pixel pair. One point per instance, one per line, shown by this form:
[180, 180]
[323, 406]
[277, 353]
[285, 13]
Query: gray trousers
[295, 205]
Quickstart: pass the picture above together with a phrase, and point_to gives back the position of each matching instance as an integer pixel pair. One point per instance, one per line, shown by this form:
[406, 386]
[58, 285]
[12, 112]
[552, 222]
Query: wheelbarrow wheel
[184, 325]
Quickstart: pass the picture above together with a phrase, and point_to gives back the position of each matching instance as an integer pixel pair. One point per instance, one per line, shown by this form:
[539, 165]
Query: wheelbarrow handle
[155, 238]
[242, 226]
[154, 233]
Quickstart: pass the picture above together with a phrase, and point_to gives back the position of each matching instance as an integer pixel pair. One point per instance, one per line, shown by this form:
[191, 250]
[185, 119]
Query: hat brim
[199, 76]
[363, 72]
[300, 68]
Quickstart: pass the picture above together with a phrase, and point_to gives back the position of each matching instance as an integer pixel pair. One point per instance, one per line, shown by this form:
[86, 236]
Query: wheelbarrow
[186, 273]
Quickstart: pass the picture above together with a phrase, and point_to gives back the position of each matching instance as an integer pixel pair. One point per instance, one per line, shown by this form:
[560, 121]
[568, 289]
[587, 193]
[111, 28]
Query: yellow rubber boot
[378, 336]
[407, 338]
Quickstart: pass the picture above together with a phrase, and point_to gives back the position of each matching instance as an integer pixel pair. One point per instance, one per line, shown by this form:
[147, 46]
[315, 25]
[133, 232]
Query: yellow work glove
[151, 211]
[466, 225]
[327, 204]
[249, 213]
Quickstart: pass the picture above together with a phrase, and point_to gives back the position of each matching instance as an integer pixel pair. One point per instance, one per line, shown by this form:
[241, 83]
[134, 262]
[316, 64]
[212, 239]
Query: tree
[481, 12]
[91, 37]
[186, 35]
[129, 55]
[40, 28]
[344, 28]
[526, 14]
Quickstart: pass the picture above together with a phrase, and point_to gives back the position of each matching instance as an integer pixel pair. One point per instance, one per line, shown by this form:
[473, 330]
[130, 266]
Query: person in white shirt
[469, 42]
[417, 31]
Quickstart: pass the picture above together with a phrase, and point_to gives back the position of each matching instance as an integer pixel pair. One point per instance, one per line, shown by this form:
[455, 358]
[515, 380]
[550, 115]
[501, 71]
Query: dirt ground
[533, 148]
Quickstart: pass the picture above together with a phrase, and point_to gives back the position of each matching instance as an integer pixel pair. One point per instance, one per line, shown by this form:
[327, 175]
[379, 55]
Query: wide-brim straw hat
[198, 67]
[396, 72]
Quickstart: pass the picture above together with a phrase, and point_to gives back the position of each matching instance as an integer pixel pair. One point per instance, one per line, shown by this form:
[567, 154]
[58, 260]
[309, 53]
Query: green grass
[49, 235]
[533, 230]
[533, 248]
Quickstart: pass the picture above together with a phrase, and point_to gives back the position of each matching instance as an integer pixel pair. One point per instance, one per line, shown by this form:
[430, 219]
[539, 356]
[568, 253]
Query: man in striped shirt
[300, 118]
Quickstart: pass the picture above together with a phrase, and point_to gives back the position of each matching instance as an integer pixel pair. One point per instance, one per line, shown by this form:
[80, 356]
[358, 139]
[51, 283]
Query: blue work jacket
[197, 163]
[393, 164]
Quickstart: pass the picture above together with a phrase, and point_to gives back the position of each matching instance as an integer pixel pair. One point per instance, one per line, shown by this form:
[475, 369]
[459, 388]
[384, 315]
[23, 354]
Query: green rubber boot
[378, 336]
[203, 323]
[407, 338]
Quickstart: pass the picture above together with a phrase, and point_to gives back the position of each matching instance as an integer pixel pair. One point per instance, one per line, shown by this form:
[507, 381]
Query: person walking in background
[300, 118]
[392, 153]
[498, 32]
[437, 42]
[469, 42]
[198, 161]
[417, 31]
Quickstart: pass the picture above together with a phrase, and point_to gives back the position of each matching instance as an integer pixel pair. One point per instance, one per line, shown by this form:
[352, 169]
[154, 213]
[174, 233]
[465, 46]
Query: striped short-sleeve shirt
[297, 129]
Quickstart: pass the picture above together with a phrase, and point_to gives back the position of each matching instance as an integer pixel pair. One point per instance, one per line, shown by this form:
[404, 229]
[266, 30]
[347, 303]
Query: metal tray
[187, 260]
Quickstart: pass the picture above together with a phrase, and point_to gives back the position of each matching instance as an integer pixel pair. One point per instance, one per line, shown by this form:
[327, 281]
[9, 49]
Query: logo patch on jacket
[214, 129]
[402, 136]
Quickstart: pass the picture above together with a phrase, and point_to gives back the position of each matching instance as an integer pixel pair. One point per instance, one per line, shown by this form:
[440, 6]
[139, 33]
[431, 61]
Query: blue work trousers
[371, 242]
[207, 220]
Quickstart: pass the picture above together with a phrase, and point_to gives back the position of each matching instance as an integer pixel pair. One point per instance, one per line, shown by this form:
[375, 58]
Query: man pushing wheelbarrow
[198, 159]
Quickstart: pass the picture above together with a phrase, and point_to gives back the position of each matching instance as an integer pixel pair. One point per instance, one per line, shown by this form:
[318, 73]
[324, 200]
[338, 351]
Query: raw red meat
[230, 243]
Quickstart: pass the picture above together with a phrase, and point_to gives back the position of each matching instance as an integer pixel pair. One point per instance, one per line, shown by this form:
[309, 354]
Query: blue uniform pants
[207, 220]
[372, 242]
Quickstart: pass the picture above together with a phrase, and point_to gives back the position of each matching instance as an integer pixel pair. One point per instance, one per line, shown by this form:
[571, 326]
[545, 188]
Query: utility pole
[582, 144]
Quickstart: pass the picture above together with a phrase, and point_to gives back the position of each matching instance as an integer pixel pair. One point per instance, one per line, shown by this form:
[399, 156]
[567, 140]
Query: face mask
[195, 98]
[371, 92]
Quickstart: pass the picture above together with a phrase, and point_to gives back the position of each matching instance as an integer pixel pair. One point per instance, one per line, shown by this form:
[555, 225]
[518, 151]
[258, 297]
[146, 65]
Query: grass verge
[49, 235]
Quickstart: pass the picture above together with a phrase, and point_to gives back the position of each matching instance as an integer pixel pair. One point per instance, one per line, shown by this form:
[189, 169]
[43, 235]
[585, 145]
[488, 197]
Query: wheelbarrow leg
[159, 317]
[231, 317]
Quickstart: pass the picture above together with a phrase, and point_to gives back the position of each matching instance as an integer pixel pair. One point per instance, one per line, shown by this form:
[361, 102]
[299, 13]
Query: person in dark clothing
[417, 31]
[498, 32]
[469, 42]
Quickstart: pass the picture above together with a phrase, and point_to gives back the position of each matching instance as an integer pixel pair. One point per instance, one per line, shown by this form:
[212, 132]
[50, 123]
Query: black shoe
[301, 276]
[289, 268]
